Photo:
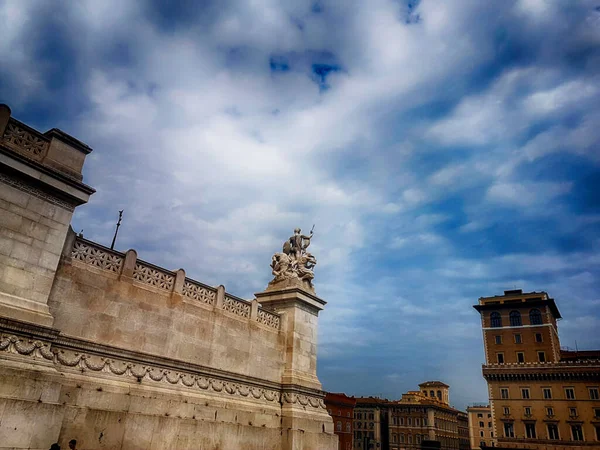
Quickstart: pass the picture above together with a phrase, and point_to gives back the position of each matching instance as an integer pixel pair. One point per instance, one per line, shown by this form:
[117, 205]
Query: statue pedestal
[305, 421]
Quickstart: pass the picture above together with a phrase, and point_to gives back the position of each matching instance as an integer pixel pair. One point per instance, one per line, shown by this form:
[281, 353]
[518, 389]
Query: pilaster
[305, 421]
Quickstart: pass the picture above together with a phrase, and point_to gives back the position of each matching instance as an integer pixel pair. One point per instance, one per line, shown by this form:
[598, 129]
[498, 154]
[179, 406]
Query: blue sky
[444, 150]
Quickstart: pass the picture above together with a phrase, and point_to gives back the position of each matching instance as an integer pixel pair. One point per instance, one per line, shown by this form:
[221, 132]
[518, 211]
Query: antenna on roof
[112, 246]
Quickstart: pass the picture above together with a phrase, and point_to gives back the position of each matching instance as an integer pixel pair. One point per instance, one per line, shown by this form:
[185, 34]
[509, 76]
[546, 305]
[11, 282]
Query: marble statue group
[294, 265]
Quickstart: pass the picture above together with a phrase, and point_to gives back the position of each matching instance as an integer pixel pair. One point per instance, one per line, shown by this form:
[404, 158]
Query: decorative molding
[82, 361]
[96, 256]
[156, 277]
[303, 400]
[199, 292]
[236, 306]
[27, 188]
[268, 318]
[25, 140]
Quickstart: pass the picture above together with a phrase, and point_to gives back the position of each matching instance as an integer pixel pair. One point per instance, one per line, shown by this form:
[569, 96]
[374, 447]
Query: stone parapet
[158, 279]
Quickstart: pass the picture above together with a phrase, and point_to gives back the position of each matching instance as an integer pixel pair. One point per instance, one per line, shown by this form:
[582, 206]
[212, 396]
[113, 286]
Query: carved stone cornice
[30, 188]
[67, 353]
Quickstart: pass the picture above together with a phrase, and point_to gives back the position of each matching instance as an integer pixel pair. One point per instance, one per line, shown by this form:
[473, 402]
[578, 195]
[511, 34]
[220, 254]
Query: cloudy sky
[444, 150]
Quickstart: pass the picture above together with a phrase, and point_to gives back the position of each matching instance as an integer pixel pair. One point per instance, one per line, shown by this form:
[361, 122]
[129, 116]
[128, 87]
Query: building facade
[370, 423]
[420, 416]
[341, 409]
[540, 397]
[103, 347]
[481, 432]
[464, 442]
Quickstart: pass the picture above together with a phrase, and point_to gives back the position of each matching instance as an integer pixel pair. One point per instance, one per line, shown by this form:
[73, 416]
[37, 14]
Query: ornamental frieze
[42, 350]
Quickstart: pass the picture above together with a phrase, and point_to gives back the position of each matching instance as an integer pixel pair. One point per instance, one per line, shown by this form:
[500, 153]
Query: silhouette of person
[55, 446]
[73, 444]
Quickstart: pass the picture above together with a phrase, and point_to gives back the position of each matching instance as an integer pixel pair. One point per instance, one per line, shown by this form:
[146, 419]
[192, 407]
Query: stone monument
[292, 295]
[103, 347]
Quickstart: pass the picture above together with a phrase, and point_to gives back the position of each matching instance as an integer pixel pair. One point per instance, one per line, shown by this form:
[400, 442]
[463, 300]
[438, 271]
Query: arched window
[535, 317]
[495, 320]
[515, 319]
[439, 395]
[431, 394]
[339, 426]
[348, 427]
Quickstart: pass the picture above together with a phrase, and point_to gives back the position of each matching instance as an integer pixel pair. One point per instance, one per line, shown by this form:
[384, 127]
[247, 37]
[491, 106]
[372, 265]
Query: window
[439, 395]
[431, 393]
[552, 431]
[528, 410]
[495, 320]
[482, 443]
[348, 427]
[541, 357]
[338, 426]
[348, 414]
[409, 421]
[549, 411]
[597, 413]
[535, 317]
[594, 395]
[515, 318]
[573, 412]
[577, 432]
[520, 357]
[489, 416]
[504, 392]
[547, 393]
[418, 438]
[500, 357]
[417, 422]
[481, 424]
[538, 337]
[518, 339]
[481, 433]
[525, 393]
[410, 438]
[506, 411]
[402, 438]
[509, 430]
[489, 424]
[570, 393]
[401, 420]
[498, 339]
[394, 438]
[530, 430]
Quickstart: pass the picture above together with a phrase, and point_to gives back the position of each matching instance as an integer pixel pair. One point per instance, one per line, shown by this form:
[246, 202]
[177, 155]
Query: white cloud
[526, 194]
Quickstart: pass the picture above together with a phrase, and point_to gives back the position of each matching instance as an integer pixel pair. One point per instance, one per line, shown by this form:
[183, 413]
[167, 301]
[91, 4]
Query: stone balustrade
[25, 140]
[146, 275]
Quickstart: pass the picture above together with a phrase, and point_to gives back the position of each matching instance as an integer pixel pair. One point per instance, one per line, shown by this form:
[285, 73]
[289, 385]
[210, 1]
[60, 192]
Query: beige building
[420, 416]
[481, 432]
[540, 396]
[103, 347]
